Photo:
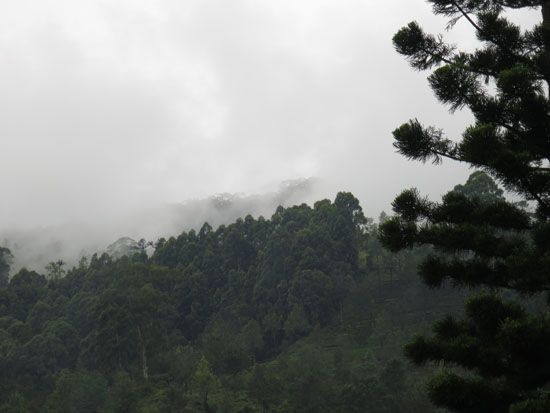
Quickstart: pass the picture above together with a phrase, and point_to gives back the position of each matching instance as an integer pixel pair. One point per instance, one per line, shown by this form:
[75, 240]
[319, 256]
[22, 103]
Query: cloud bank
[112, 107]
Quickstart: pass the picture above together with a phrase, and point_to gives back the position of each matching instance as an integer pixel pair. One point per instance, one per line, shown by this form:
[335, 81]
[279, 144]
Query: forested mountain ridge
[33, 247]
[300, 312]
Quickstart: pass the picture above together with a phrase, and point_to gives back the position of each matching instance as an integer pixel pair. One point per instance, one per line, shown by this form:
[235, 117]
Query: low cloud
[110, 108]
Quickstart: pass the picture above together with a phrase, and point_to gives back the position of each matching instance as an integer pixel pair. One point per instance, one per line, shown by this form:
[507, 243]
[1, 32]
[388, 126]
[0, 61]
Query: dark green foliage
[77, 392]
[470, 394]
[14, 403]
[302, 255]
[482, 187]
[5, 260]
[304, 312]
[25, 289]
[478, 239]
[538, 404]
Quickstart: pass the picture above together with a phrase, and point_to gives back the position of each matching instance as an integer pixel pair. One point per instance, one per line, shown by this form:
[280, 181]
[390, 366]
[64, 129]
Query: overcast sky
[109, 105]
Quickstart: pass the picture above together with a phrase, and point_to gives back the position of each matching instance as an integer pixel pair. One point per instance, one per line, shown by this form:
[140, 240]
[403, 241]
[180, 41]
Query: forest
[305, 311]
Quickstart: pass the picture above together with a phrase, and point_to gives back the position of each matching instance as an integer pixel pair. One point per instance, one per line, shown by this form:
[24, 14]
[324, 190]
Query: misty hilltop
[35, 247]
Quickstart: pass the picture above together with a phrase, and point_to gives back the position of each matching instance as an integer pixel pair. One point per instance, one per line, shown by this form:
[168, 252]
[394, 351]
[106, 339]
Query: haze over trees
[496, 355]
[35, 247]
[304, 311]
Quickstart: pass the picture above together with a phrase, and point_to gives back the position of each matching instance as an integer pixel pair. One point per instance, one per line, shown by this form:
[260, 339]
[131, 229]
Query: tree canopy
[5, 264]
[300, 312]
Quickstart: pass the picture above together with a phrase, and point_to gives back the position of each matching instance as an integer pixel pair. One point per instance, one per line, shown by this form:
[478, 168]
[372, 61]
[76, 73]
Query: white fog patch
[112, 108]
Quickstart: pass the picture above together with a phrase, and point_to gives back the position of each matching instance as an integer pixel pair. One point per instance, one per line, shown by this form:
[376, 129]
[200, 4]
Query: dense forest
[302, 312]
[440, 305]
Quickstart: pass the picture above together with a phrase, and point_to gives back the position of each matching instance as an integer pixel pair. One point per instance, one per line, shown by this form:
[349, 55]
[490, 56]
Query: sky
[108, 106]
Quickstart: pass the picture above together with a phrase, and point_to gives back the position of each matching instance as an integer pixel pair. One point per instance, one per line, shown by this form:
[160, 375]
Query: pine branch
[475, 25]
[534, 194]
[461, 65]
[467, 16]
[448, 156]
[523, 182]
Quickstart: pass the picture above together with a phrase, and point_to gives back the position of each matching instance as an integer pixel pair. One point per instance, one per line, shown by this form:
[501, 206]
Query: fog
[34, 247]
[113, 109]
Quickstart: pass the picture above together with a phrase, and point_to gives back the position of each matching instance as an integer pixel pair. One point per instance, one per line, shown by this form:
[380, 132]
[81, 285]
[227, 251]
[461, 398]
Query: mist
[117, 113]
[35, 247]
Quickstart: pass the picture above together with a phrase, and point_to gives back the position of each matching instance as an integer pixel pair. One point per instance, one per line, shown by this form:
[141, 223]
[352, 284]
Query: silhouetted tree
[484, 241]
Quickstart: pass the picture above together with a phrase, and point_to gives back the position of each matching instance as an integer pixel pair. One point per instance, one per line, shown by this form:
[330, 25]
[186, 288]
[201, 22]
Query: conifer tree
[497, 356]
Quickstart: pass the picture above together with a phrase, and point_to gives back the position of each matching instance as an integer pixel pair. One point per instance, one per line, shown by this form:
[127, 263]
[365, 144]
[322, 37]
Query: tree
[5, 262]
[204, 384]
[27, 287]
[264, 386]
[482, 186]
[297, 324]
[14, 403]
[130, 326]
[55, 270]
[77, 392]
[488, 243]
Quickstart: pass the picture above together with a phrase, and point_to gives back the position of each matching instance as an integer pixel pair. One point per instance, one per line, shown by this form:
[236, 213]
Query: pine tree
[497, 356]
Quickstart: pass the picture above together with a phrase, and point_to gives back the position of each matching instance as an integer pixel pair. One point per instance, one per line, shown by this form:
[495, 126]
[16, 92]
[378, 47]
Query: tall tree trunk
[205, 405]
[144, 368]
[118, 351]
[546, 37]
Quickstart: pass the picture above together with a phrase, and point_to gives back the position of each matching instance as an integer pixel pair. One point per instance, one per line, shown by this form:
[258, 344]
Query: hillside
[302, 312]
[33, 247]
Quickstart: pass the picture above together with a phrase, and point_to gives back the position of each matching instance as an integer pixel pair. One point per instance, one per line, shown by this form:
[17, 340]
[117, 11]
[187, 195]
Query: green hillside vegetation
[302, 312]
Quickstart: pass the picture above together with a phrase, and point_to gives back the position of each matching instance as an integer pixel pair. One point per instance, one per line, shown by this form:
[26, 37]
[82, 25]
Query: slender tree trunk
[205, 405]
[118, 351]
[144, 368]
[144, 363]
[379, 286]
[546, 37]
